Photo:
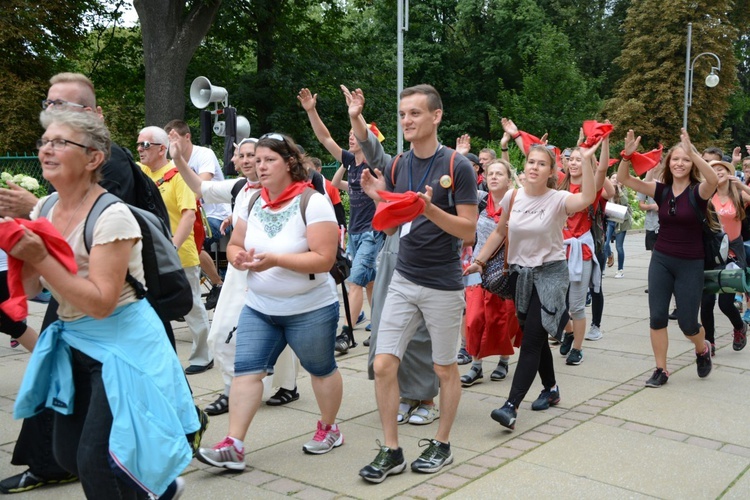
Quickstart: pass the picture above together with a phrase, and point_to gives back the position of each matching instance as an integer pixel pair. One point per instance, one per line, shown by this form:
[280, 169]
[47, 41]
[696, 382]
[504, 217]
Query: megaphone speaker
[202, 93]
[243, 128]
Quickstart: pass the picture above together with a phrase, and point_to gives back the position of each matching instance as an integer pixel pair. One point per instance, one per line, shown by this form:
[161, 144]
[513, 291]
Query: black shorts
[650, 239]
[13, 328]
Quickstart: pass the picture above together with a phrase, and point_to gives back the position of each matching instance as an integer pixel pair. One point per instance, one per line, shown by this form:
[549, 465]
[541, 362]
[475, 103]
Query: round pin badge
[445, 181]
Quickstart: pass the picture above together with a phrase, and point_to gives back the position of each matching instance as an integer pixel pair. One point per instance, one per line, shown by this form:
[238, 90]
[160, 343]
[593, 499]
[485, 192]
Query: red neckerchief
[480, 178]
[292, 190]
[491, 210]
[252, 185]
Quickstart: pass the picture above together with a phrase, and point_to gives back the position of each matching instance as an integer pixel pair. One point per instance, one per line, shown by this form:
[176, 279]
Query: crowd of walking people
[425, 231]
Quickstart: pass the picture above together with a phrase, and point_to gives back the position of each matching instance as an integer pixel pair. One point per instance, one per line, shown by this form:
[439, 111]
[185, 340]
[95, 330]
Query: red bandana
[491, 210]
[643, 162]
[292, 190]
[595, 131]
[396, 209]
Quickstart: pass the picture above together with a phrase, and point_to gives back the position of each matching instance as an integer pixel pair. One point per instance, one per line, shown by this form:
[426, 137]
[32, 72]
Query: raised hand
[588, 153]
[356, 103]
[175, 146]
[685, 143]
[631, 142]
[504, 140]
[463, 144]
[736, 155]
[372, 184]
[509, 127]
[307, 99]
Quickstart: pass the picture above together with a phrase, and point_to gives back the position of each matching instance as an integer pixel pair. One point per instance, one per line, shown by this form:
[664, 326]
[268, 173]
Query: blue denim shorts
[215, 233]
[364, 248]
[311, 335]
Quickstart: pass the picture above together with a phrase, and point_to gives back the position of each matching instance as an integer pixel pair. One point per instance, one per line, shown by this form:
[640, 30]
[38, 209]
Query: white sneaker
[619, 274]
[594, 333]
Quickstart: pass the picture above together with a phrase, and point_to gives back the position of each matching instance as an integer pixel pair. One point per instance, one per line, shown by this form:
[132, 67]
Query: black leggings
[13, 328]
[535, 355]
[597, 299]
[682, 277]
[726, 304]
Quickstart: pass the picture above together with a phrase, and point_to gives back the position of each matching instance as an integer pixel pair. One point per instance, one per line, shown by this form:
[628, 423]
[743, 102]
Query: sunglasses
[672, 207]
[59, 103]
[274, 136]
[146, 145]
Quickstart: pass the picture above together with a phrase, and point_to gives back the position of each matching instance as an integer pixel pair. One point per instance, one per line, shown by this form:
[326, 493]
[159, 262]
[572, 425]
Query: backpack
[598, 228]
[200, 224]
[145, 193]
[167, 288]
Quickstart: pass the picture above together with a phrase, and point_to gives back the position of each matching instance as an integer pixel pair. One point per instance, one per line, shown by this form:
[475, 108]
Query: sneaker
[547, 398]
[506, 415]
[326, 438]
[619, 274]
[435, 457]
[27, 481]
[703, 361]
[594, 333]
[464, 358]
[196, 437]
[387, 462]
[658, 378]
[575, 357]
[223, 454]
[567, 343]
[474, 376]
[368, 328]
[740, 338]
[343, 342]
[366, 343]
[746, 316]
[361, 318]
[213, 297]
[673, 314]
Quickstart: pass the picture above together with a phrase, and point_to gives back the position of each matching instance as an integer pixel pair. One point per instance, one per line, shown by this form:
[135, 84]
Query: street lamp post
[403, 25]
[712, 80]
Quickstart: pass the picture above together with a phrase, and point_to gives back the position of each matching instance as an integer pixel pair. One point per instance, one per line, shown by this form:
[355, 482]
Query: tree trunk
[170, 37]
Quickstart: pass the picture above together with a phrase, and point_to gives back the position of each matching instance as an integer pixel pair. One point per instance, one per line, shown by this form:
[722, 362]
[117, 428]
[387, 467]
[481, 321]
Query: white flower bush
[27, 182]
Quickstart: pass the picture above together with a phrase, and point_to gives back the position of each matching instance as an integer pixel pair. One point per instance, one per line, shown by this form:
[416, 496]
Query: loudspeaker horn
[202, 93]
[243, 128]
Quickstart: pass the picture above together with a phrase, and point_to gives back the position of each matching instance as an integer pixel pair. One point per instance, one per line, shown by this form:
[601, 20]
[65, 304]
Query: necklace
[75, 212]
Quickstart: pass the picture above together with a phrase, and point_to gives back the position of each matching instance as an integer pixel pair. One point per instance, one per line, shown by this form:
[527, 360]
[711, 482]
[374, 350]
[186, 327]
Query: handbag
[495, 278]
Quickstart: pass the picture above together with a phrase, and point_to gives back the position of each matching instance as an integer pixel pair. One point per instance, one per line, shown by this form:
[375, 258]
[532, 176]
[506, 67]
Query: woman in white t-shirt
[291, 297]
[539, 269]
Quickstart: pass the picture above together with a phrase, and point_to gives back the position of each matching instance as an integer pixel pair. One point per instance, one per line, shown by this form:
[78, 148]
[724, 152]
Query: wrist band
[626, 157]
[514, 137]
[481, 264]
[503, 149]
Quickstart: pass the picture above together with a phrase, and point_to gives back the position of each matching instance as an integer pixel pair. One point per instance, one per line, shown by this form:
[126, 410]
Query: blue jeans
[215, 225]
[311, 335]
[364, 248]
[619, 240]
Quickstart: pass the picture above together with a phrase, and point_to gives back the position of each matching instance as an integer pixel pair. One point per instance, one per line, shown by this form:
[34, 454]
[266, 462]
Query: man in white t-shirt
[203, 162]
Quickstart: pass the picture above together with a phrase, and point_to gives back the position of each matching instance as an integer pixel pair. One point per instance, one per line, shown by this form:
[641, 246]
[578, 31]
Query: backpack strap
[452, 162]
[100, 205]
[303, 202]
[393, 168]
[702, 216]
[48, 204]
[237, 189]
[167, 176]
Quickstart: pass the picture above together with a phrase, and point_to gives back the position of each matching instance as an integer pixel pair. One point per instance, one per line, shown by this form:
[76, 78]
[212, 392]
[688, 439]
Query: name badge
[405, 229]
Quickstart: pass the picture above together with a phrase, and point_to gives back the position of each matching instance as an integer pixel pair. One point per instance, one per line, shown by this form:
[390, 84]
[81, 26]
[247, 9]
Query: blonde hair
[88, 96]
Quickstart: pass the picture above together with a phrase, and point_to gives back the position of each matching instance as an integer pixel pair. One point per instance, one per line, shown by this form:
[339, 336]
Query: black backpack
[167, 288]
[146, 193]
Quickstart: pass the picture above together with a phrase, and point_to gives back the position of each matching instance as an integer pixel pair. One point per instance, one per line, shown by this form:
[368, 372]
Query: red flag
[643, 162]
[595, 131]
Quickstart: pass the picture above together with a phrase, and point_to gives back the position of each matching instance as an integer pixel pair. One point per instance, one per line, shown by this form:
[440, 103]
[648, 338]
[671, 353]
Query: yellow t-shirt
[177, 197]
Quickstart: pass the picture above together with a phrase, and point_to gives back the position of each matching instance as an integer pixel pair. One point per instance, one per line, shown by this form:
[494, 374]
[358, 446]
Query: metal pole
[688, 79]
[403, 25]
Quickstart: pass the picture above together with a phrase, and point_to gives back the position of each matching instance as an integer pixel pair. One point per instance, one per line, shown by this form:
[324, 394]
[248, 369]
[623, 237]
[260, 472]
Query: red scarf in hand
[16, 307]
[396, 209]
[292, 190]
[491, 210]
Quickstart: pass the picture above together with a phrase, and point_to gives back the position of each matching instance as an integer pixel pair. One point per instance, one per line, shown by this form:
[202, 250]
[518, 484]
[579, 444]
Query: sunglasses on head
[274, 136]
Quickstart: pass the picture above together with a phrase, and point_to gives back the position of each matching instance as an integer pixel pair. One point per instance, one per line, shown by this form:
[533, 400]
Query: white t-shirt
[278, 291]
[203, 160]
[221, 192]
[535, 227]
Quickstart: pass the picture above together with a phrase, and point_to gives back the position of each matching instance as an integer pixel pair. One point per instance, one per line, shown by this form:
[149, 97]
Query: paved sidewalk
[609, 437]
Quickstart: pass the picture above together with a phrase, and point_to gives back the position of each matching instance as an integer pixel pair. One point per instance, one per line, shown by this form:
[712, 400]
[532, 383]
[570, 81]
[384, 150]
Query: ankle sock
[237, 444]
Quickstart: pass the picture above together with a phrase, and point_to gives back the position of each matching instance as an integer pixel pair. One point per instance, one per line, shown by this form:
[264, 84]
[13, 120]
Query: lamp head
[712, 80]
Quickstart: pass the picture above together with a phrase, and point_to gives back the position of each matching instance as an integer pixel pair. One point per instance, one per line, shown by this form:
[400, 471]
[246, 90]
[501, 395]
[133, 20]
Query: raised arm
[707, 187]
[601, 170]
[308, 101]
[579, 201]
[192, 179]
[504, 147]
[623, 170]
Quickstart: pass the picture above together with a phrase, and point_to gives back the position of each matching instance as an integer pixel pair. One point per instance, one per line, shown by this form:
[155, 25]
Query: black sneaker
[547, 398]
[435, 457]
[567, 343]
[673, 314]
[703, 361]
[343, 341]
[740, 338]
[506, 415]
[575, 357]
[26, 481]
[366, 343]
[658, 378]
[387, 462]
[213, 297]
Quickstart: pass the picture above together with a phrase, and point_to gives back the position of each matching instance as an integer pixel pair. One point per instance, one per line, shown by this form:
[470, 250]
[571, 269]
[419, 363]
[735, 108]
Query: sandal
[405, 408]
[425, 414]
[221, 405]
[500, 372]
[463, 357]
[474, 376]
[283, 396]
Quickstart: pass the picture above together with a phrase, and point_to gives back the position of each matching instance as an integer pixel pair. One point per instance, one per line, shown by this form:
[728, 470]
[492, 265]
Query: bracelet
[626, 157]
[503, 149]
[480, 263]
[516, 136]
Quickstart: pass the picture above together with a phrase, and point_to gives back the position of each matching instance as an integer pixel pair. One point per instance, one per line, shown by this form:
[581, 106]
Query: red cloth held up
[595, 132]
[397, 209]
[16, 306]
[643, 162]
[613, 161]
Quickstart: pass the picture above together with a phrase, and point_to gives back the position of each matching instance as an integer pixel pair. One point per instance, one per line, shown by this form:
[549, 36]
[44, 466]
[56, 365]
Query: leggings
[535, 355]
[682, 278]
[578, 290]
[726, 304]
[597, 298]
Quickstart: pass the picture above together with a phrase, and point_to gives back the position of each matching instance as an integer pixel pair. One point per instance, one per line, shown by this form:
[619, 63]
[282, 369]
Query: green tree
[649, 98]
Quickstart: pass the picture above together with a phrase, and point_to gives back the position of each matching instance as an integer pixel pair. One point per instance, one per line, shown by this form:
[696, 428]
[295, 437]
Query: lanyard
[429, 167]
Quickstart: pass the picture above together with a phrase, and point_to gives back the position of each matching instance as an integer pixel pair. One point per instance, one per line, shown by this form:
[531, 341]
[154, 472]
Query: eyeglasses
[59, 103]
[58, 144]
[145, 144]
[672, 207]
[274, 136]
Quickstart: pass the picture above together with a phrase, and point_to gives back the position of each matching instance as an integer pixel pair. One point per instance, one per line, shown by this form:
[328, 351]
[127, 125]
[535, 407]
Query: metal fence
[21, 164]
